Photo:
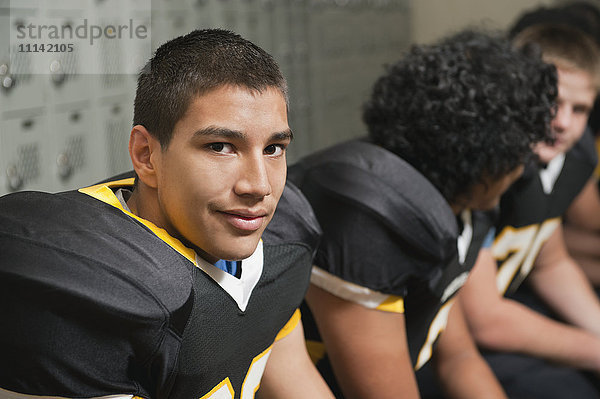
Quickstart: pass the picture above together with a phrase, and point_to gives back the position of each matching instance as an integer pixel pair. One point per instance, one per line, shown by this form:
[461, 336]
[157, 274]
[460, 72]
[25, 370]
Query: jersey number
[519, 248]
[251, 383]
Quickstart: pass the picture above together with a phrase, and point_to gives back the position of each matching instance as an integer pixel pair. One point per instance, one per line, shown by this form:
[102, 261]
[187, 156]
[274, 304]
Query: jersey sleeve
[383, 223]
[356, 248]
[289, 326]
[54, 329]
[294, 221]
[75, 326]
[355, 293]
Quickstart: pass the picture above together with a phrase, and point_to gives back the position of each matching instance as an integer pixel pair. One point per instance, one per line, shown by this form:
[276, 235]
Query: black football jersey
[529, 215]
[389, 241]
[96, 301]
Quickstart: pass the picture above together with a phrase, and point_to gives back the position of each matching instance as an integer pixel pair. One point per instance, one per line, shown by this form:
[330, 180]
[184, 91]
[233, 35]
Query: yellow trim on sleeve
[393, 303]
[103, 192]
[289, 326]
[316, 350]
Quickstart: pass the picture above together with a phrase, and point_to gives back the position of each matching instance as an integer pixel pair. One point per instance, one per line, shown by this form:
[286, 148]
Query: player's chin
[240, 248]
[547, 153]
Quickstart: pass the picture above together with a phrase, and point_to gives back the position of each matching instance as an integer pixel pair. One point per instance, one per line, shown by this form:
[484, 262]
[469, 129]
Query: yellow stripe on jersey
[104, 192]
[223, 390]
[289, 326]
[316, 350]
[394, 304]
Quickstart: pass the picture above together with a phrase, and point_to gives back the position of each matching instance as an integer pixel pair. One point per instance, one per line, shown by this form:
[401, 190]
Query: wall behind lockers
[64, 129]
[432, 19]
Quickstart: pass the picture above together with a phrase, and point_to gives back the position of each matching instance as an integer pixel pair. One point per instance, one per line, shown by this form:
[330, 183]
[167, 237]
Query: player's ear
[142, 146]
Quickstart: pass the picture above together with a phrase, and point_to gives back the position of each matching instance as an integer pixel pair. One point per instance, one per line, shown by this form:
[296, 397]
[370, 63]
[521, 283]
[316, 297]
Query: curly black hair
[463, 110]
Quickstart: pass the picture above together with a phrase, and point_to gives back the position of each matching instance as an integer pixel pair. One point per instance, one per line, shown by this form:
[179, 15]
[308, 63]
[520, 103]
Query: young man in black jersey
[450, 126]
[529, 250]
[169, 286]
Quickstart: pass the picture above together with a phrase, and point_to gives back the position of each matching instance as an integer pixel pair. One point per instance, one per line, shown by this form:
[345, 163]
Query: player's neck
[457, 208]
[143, 202]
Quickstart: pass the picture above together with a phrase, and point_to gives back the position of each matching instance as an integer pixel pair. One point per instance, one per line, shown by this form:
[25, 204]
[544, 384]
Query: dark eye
[218, 147]
[221, 147]
[580, 109]
[274, 149]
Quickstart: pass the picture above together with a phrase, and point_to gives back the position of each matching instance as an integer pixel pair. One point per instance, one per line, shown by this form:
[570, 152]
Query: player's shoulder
[294, 221]
[366, 178]
[41, 210]
[43, 217]
[76, 245]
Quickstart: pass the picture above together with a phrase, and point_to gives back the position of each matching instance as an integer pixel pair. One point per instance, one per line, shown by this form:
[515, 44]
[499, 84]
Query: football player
[529, 246]
[450, 126]
[161, 286]
[582, 219]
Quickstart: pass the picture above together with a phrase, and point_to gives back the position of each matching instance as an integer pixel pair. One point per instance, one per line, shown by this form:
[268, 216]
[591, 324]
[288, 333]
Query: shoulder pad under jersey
[294, 220]
[72, 231]
[385, 186]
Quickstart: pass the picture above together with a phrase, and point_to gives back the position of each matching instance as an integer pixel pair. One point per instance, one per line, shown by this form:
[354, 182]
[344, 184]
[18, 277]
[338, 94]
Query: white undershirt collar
[464, 239]
[550, 173]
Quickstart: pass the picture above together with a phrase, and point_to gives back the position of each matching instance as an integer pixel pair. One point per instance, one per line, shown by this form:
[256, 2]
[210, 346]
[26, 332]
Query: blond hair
[564, 46]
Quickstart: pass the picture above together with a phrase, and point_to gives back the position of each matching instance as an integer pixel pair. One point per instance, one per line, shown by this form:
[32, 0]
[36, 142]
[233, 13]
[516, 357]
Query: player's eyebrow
[221, 132]
[285, 135]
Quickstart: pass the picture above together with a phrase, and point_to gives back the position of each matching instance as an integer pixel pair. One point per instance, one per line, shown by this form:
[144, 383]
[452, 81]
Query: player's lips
[559, 138]
[245, 219]
[558, 144]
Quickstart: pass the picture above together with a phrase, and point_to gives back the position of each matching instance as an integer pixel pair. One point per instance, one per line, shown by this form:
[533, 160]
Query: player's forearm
[462, 371]
[519, 329]
[582, 241]
[367, 348]
[302, 383]
[585, 220]
[584, 211]
[591, 268]
[469, 376]
[567, 290]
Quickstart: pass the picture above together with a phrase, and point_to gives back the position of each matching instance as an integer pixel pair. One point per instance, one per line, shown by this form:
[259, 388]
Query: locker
[24, 151]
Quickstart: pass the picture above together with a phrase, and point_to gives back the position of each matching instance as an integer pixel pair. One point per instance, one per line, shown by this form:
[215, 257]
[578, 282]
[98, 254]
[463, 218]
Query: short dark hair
[191, 65]
[462, 110]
